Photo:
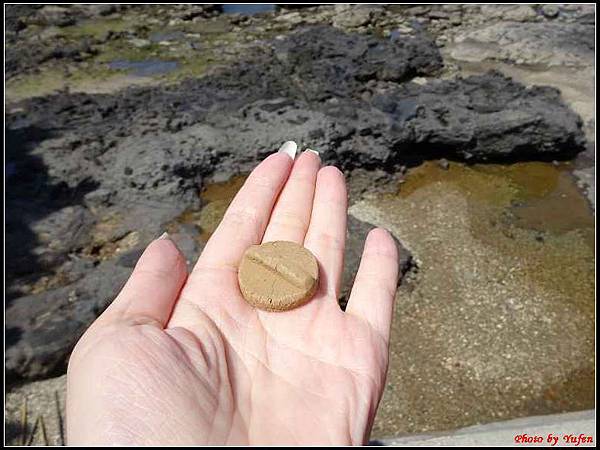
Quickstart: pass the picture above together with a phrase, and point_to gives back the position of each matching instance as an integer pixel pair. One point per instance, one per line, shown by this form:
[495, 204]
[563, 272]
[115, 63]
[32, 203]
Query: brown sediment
[216, 198]
[224, 190]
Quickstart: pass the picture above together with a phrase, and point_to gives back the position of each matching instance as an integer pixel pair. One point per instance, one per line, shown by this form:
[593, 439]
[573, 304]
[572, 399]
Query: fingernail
[165, 235]
[314, 151]
[289, 148]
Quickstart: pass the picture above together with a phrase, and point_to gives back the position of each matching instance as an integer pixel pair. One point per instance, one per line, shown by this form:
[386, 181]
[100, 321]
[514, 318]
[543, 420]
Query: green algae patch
[205, 45]
[98, 28]
[52, 79]
[93, 78]
[201, 47]
[124, 50]
[193, 67]
[34, 85]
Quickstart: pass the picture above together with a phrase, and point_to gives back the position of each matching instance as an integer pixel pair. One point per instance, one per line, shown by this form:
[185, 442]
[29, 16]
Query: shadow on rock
[44, 217]
[45, 222]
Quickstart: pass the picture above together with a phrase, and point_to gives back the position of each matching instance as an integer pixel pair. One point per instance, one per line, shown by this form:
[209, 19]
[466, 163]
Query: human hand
[180, 359]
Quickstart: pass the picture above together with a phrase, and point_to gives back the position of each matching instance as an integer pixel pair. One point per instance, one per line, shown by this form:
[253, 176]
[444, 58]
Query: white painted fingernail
[289, 148]
[314, 151]
[165, 235]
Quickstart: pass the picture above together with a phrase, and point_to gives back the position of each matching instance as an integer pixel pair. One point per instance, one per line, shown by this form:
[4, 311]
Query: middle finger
[291, 214]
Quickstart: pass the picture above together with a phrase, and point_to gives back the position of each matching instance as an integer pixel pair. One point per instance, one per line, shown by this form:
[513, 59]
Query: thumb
[153, 288]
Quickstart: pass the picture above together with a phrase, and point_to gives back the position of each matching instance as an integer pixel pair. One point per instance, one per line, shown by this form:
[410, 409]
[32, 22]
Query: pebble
[550, 11]
[444, 164]
[140, 43]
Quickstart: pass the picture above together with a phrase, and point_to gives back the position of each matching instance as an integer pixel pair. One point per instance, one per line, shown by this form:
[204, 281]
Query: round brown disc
[277, 276]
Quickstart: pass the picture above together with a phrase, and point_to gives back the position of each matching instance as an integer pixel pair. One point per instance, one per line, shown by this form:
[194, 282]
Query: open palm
[180, 359]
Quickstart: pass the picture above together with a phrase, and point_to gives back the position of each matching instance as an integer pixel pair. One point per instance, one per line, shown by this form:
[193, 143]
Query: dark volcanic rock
[60, 231]
[324, 61]
[355, 241]
[487, 117]
[42, 329]
[16, 16]
[310, 88]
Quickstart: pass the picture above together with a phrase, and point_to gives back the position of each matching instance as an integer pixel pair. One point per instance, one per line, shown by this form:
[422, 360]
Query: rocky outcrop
[90, 174]
[547, 43]
[356, 234]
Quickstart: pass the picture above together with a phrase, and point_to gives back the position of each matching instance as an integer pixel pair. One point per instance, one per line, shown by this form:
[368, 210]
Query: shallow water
[215, 197]
[247, 8]
[533, 195]
[146, 68]
[500, 320]
[536, 196]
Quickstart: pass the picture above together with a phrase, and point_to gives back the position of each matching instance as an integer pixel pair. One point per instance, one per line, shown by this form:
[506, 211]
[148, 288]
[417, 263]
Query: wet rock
[16, 18]
[512, 13]
[48, 240]
[418, 10]
[439, 15]
[453, 8]
[130, 258]
[585, 172]
[372, 181]
[323, 71]
[190, 12]
[187, 240]
[455, 19]
[484, 117]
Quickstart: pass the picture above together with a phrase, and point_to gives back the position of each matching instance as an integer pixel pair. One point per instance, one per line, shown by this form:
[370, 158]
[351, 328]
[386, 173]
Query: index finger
[246, 218]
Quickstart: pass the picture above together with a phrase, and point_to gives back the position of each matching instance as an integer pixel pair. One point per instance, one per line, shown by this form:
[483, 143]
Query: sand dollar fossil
[278, 276]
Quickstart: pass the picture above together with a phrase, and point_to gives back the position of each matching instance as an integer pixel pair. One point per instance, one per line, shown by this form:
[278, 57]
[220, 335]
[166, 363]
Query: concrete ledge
[561, 426]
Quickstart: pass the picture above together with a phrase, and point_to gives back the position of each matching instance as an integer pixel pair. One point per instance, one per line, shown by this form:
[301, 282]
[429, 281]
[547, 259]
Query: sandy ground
[40, 399]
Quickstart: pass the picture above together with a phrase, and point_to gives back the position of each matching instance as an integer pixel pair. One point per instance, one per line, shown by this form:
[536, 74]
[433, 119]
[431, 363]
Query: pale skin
[183, 359]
